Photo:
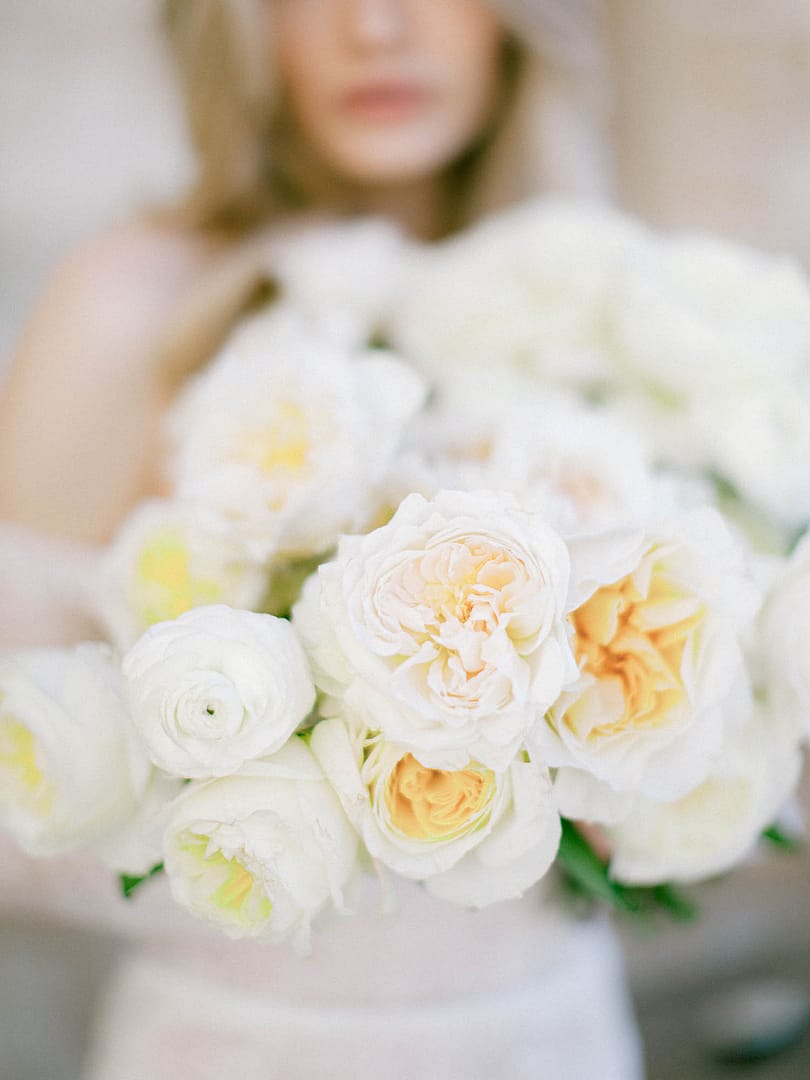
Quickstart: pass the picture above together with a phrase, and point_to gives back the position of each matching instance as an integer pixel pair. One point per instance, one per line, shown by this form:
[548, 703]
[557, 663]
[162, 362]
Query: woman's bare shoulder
[80, 411]
[128, 278]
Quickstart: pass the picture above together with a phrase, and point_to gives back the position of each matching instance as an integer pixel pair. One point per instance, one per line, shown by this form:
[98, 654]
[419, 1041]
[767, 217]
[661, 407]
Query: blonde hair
[547, 136]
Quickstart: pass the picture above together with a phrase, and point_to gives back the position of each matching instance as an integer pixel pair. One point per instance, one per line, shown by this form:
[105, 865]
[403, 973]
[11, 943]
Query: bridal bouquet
[479, 558]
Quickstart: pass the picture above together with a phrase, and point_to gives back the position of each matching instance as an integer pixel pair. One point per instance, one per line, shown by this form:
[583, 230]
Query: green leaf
[588, 875]
[130, 883]
[674, 902]
[587, 872]
[781, 840]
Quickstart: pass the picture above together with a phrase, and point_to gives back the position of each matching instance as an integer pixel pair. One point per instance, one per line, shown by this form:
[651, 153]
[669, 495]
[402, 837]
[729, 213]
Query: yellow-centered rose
[635, 642]
[166, 560]
[656, 629]
[263, 852]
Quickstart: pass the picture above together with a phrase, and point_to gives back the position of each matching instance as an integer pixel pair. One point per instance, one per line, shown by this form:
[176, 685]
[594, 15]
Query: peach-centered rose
[452, 600]
[446, 629]
[428, 803]
[634, 641]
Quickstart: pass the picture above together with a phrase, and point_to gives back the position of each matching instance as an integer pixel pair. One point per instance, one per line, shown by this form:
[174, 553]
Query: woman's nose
[376, 24]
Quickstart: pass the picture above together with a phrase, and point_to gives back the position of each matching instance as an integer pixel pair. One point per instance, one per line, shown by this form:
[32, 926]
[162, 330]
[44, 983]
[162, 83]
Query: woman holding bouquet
[431, 114]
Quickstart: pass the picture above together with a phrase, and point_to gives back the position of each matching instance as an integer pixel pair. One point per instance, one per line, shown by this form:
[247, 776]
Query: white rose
[473, 835]
[718, 823]
[657, 626]
[283, 439]
[757, 435]
[528, 289]
[216, 688]
[341, 276]
[166, 560]
[264, 853]
[577, 465]
[69, 768]
[453, 614]
[783, 639]
[697, 313]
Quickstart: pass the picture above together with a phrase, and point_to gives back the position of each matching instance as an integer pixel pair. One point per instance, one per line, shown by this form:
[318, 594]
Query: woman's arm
[80, 415]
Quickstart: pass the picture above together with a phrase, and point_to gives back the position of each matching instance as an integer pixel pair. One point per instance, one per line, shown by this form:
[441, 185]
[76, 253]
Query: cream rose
[473, 835]
[696, 313]
[757, 436]
[215, 688]
[342, 276]
[264, 853]
[718, 823]
[282, 440]
[166, 560]
[657, 636]
[782, 640]
[529, 289]
[70, 771]
[577, 465]
[453, 614]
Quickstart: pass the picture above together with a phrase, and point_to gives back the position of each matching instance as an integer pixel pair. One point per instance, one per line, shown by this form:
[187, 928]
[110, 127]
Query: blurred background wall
[711, 127]
[712, 115]
[89, 131]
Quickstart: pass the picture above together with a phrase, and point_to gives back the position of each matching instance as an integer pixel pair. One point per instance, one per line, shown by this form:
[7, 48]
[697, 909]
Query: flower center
[637, 642]
[433, 804]
[23, 777]
[165, 578]
[284, 445]
[455, 597]
[228, 883]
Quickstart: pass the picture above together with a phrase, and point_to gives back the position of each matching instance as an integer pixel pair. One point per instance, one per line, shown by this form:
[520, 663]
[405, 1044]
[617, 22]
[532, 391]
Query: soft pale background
[711, 128]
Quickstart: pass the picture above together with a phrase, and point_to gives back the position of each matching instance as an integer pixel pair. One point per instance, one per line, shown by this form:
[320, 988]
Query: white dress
[517, 990]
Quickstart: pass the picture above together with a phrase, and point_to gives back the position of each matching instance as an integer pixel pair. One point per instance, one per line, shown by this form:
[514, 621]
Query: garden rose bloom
[70, 772]
[473, 835]
[282, 441]
[695, 313]
[718, 823]
[757, 436]
[342, 277]
[575, 464]
[782, 640]
[529, 289]
[453, 614]
[657, 640]
[216, 688]
[264, 853]
[166, 560]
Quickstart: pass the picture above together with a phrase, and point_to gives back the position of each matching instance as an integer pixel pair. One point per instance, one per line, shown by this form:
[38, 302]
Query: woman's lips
[381, 102]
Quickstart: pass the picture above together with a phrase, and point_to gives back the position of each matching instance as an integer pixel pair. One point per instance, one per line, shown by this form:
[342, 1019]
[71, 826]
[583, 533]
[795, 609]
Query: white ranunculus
[70, 770]
[453, 616]
[264, 853]
[697, 313]
[757, 436]
[283, 440]
[657, 625]
[718, 823]
[341, 276]
[216, 688]
[528, 289]
[473, 835]
[166, 560]
[782, 640]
